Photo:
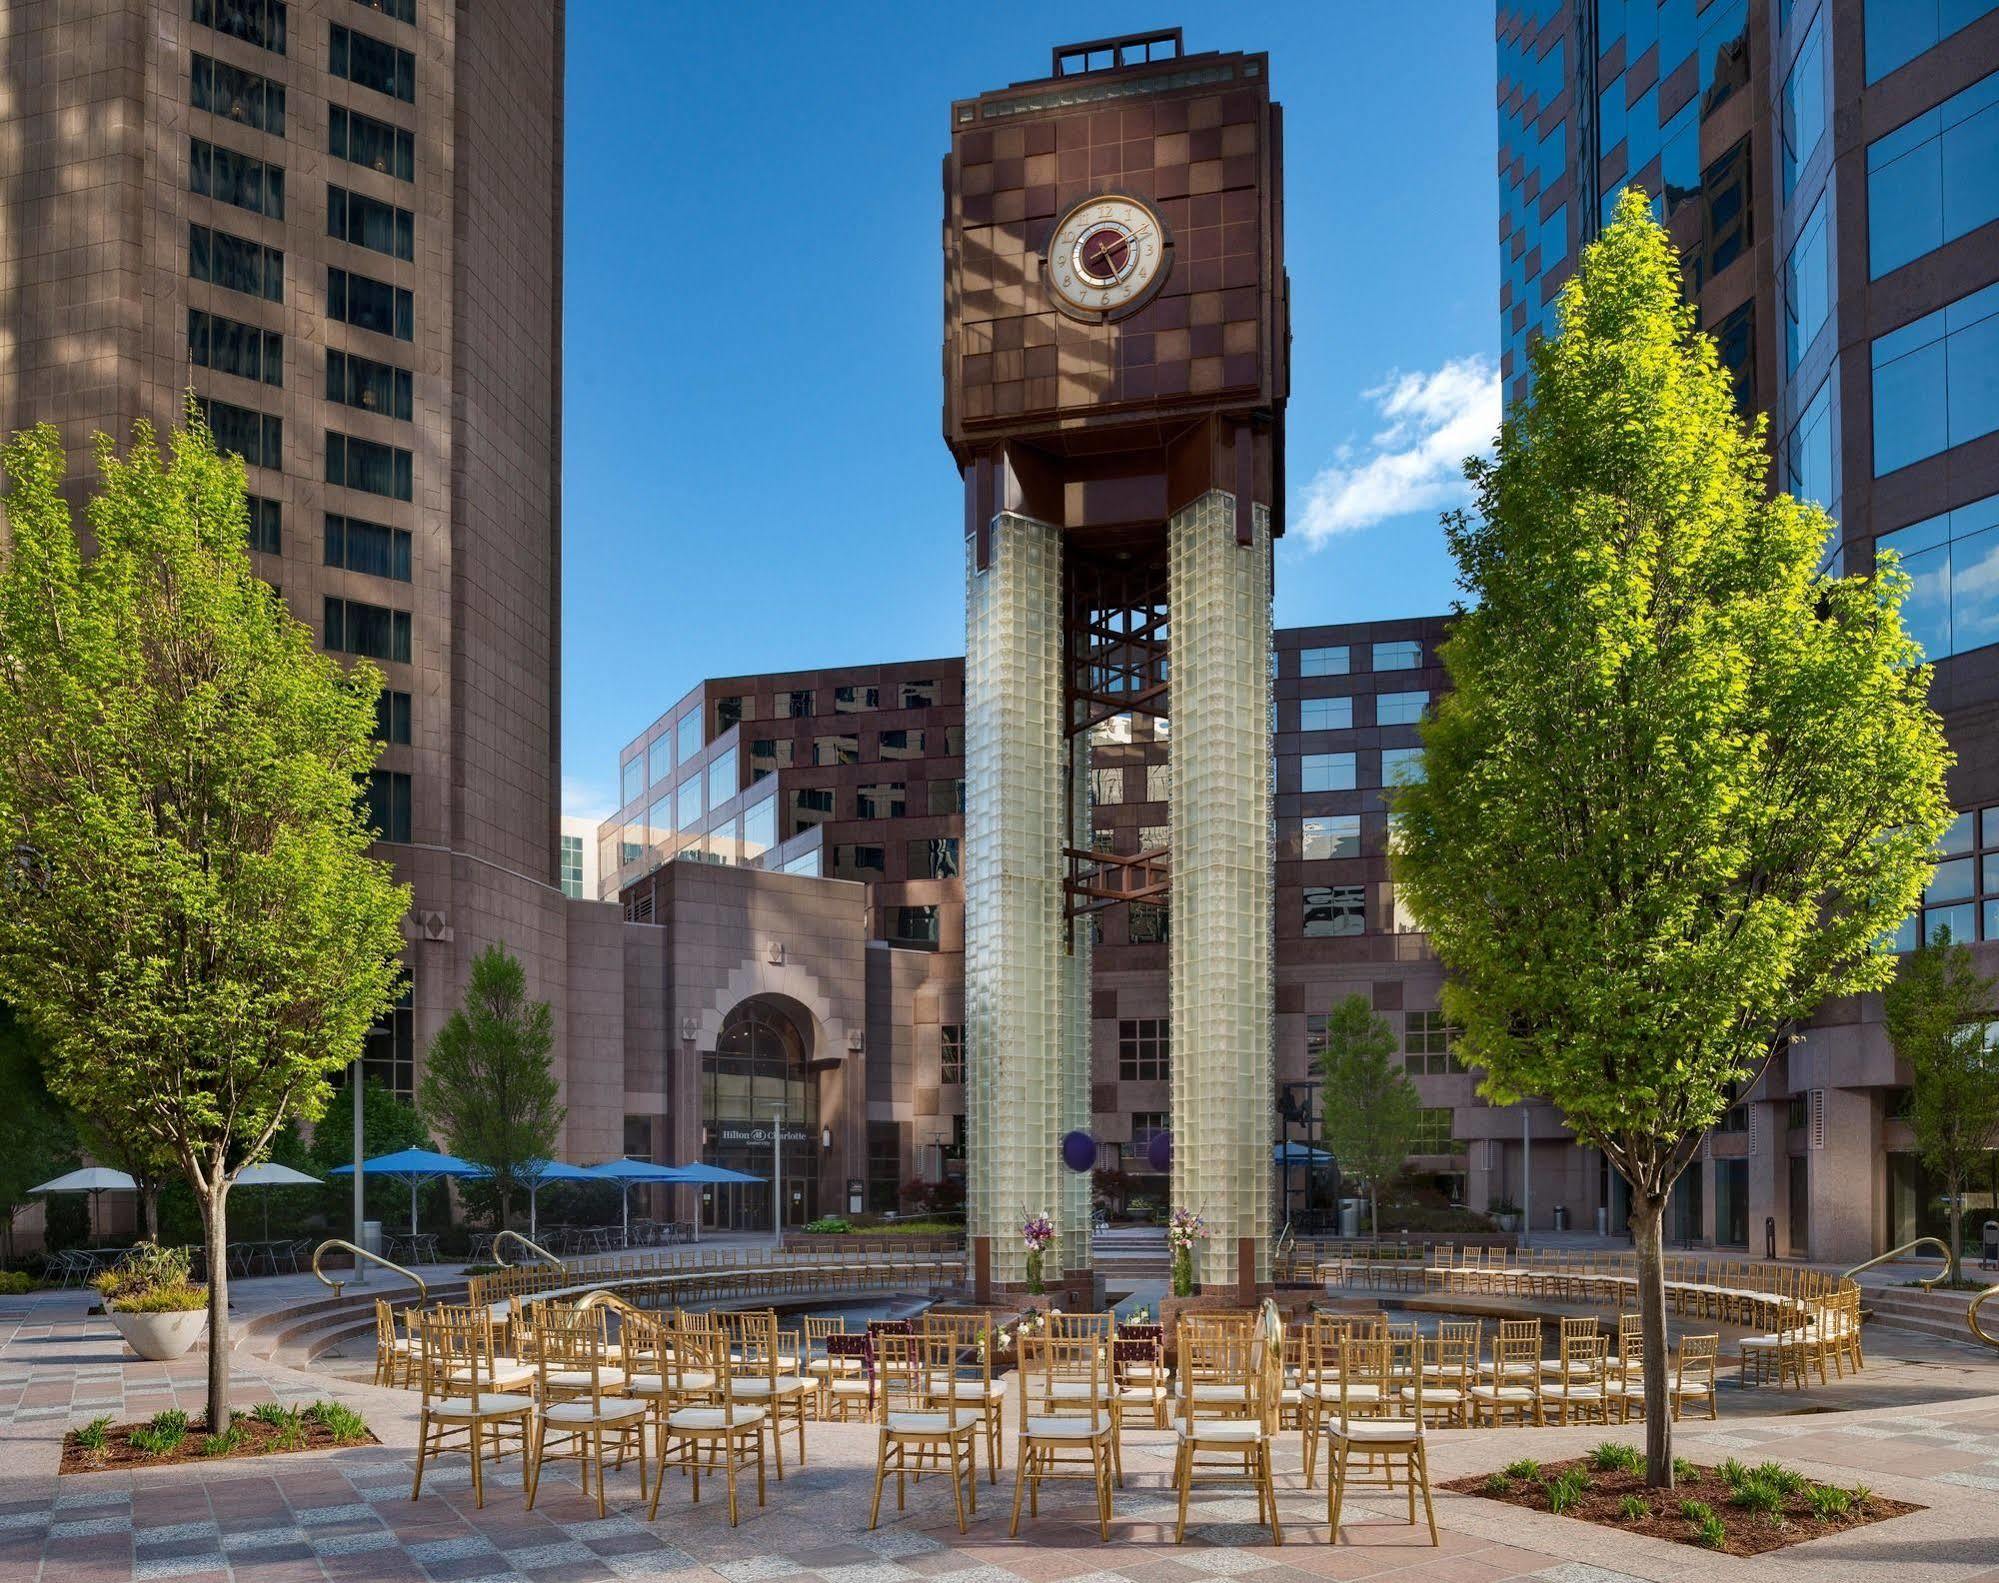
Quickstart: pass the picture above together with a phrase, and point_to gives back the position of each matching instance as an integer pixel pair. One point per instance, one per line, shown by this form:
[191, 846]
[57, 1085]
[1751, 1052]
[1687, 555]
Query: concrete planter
[160, 1338]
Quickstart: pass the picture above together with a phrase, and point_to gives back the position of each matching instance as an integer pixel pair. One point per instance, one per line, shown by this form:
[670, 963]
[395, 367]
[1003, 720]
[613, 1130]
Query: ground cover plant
[167, 1437]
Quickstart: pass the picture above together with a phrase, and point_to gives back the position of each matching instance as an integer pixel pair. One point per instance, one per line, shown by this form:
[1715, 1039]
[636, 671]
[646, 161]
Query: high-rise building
[1830, 171]
[339, 224]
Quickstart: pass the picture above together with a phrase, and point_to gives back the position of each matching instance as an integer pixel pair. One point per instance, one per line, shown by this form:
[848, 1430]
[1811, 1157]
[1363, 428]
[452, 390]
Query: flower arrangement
[1183, 1230]
[152, 1280]
[1036, 1231]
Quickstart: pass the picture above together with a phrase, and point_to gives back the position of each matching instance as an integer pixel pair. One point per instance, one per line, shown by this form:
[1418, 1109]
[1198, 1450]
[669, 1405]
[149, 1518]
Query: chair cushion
[1330, 1392]
[971, 1390]
[1220, 1393]
[929, 1424]
[785, 1385]
[613, 1410]
[1434, 1393]
[1221, 1431]
[579, 1379]
[492, 1404]
[1077, 1390]
[700, 1420]
[1377, 1431]
[1066, 1428]
[1503, 1393]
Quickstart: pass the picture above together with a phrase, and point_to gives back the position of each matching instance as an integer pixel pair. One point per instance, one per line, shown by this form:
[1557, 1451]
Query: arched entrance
[755, 1078]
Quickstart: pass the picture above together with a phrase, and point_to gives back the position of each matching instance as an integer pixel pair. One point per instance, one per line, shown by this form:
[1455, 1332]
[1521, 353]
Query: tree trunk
[1374, 1210]
[1646, 1215]
[215, 1229]
[149, 1204]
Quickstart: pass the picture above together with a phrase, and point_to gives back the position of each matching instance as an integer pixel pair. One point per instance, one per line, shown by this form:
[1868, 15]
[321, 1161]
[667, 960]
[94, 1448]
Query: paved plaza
[1922, 1425]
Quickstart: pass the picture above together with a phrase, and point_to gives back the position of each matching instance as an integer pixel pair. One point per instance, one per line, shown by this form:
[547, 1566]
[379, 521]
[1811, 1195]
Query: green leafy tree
[1939, 1014]
[1372, 1110]
[192, 919]
[37, 1141]
[489, 1084]
[1684, 785]
[391, 1124]
[151, 1164]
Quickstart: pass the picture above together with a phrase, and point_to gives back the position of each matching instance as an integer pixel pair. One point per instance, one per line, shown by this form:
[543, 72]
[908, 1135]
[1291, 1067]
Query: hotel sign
[756, 1134]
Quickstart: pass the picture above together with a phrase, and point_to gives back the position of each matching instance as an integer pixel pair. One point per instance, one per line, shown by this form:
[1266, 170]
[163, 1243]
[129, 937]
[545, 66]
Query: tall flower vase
[1034, 1273]
[1183, 1272]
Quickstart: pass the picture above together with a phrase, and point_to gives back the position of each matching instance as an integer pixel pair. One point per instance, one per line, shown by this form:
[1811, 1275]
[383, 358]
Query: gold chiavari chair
[576, 1383]
[1515, 1383]
[819, 1363]
[1319, 1384]
[1628, 1366]
[1579, 1390]
[1138, 1379]
[709, 1425]
[969, 1380]
[459, 1397]
[1067, 1424]
[916, 1436]
[1361, 1427]
[850, 1387]
[1231, 1384]
[1449, 1367]
[396, 1353]
[761, 1379]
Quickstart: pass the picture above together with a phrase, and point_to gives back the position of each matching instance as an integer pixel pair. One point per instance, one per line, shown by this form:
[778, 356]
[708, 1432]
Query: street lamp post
[777, 1175]
[360, 1191]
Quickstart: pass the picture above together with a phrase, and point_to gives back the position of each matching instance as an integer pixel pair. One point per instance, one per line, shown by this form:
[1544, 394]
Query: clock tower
[1116, 362]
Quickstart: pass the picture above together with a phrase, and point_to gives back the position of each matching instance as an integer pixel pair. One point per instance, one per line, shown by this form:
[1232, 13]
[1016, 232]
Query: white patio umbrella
[92, 1179]
[268, 1173]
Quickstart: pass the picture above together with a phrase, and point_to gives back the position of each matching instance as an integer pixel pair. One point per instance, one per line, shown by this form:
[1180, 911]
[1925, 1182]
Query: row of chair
[697, 1274]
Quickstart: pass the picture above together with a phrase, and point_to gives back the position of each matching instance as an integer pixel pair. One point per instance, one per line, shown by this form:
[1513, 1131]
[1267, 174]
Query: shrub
[1756, 1494]
[1710, 1532]
[1696, 1511]
[151, 1280]
[1631, 1509]
[13, 1283]
[343, 1423]
[1683, 1469]
[274, 1413]
[829, 1226]
[94, 1436]
[1497, 1484]
[1613, 1457]
[1861, 1496]
[224, 1444]
[1525, 1468]
[1732, 1472]
[1828, 1501]
[163, 1435]
[1565, 1490]
[1780, 1478]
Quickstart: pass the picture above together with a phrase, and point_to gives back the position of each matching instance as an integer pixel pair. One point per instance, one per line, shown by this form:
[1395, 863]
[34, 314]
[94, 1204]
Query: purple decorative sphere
[1079, 1151]
[1159, 1152]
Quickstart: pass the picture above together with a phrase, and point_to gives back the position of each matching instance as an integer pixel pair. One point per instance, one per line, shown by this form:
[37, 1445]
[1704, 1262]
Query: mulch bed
[1749, 1533]
[258, 1439]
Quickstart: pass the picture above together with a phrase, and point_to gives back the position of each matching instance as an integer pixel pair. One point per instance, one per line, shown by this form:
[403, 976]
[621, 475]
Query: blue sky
[753, 474]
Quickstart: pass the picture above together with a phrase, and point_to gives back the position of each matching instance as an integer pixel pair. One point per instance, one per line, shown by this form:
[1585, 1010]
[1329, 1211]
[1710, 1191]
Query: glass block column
[1019, 994]
[1222, 961]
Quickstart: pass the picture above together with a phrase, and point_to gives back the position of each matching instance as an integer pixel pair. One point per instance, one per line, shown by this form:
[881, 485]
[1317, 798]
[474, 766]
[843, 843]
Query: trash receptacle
[1349, 1217]
[371, 1236]
[1561, 1217]
[1990, 1258]
[1602, 1220]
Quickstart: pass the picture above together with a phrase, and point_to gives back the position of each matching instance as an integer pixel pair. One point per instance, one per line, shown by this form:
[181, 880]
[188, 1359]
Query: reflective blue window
[1641, 28]
[1610, 20]
[1953, 562]
[1897, 31]
[1934, 179]
[1680, 156]
[1724, 50]
[1804, 103]
[1555, 238]
[1936, 381]
[1807, 286]
[1642, 129]
[1610, 116]
[1809, 452]
[634, 776]
[1676, 35]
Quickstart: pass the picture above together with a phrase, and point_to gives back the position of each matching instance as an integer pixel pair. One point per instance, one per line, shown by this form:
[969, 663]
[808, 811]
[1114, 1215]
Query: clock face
[1106, 258]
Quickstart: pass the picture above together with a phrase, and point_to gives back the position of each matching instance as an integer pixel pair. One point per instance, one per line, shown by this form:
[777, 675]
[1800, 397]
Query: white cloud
[584, 799]
[1431, 423]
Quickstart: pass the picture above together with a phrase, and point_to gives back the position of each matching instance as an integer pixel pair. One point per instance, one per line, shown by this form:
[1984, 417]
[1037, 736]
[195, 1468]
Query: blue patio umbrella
[624, 1173]
[1300, 1154]
[700, 1174]
[414, 1166]
[536, 1172]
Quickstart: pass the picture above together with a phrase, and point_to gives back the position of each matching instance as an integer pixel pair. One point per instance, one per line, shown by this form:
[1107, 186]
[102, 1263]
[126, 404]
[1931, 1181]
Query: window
[1324, 772]
[734, 710]
[1936, 381]
[375, 145]
[1401, 766]
[882, 800]
[659, 758]
[366, 465]
[371, 631]
[370, 304]
[795, 704]
[238, 95]
[895, 745]
[1400, 709]
[1145, 1126]
[370, 63]
[1804, 103]
[914, 926]
[1809, 451]
[768, 755]
[810, 805]
[660, 814]
[389, 804]
[1397, 656]
[1953, 561]
[233, 178]
[759, 828]
[1427, 1042]
[1325, 714]
[687, 804]
[836, 750]
[1807, 286]
[1432, 1134]
[258, 22]
[1324, 662]
[1337, 835]
[231, 347]
[371, 386]
[1934, 179]
[1897, 31]
[633, 778]
[388, 1055]
[852, 700]
[1735, 349]
[1726, 231]
[392, 717]
[1144, 1050]
[1335, 910]
[405, 11]
[946, 797]
[369, 547]
[860, 860]
[256, 437]
[916, 695]
[236, 263]
[935, 858]
[687, 735]
[1724, 52]
[951, 1053]
[1147, 923]
[1107, 785]
[267, 534]
[722, 778]
[370, 223]
[572, 867]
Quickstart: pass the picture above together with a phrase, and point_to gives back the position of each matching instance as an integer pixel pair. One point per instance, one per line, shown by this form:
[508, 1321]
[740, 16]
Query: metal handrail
[1909, 1247]
[1971, 1316]
[532, 1247]
[422, 1289]
[602, 1297]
